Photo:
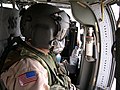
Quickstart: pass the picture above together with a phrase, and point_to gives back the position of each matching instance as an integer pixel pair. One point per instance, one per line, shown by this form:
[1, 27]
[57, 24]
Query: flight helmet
[42, 24]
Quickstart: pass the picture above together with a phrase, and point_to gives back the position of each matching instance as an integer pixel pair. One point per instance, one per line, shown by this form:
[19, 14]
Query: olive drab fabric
[28, 74]
[61, 80]
[57, 78]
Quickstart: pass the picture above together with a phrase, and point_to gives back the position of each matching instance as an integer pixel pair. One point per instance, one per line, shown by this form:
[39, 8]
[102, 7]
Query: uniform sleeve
[27, 74]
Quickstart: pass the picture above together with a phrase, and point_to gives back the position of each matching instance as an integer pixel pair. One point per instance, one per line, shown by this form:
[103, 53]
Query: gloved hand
[75, 56]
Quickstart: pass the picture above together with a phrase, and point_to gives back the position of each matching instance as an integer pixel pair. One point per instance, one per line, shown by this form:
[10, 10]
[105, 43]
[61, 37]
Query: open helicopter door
[97, 71]
[107, 29]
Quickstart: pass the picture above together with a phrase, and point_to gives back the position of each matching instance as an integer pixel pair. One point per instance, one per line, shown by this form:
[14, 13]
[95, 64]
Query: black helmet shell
[40, 24]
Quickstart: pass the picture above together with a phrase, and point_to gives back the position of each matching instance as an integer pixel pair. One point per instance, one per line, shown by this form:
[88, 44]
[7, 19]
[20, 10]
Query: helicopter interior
[89, 44]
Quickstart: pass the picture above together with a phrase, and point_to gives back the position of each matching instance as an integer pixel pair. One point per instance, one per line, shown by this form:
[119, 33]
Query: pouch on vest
[61, 80]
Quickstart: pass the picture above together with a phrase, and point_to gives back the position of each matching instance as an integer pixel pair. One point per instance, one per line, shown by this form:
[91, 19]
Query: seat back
[9, 25]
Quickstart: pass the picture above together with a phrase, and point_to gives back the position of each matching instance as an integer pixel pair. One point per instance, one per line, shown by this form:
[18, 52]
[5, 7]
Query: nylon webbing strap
[6, 51]
[51, 65]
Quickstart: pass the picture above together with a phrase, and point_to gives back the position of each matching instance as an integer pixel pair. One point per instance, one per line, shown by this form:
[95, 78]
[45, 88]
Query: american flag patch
[27, 78]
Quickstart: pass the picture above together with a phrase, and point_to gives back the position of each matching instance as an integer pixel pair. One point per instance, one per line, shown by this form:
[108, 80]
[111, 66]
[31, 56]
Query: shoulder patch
[27, 77]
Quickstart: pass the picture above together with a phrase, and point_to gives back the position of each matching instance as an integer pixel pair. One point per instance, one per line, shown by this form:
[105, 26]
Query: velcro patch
[27, 78]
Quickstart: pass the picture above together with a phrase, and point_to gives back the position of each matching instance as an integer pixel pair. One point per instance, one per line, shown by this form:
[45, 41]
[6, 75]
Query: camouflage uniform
[30, 72]
[26, 74]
